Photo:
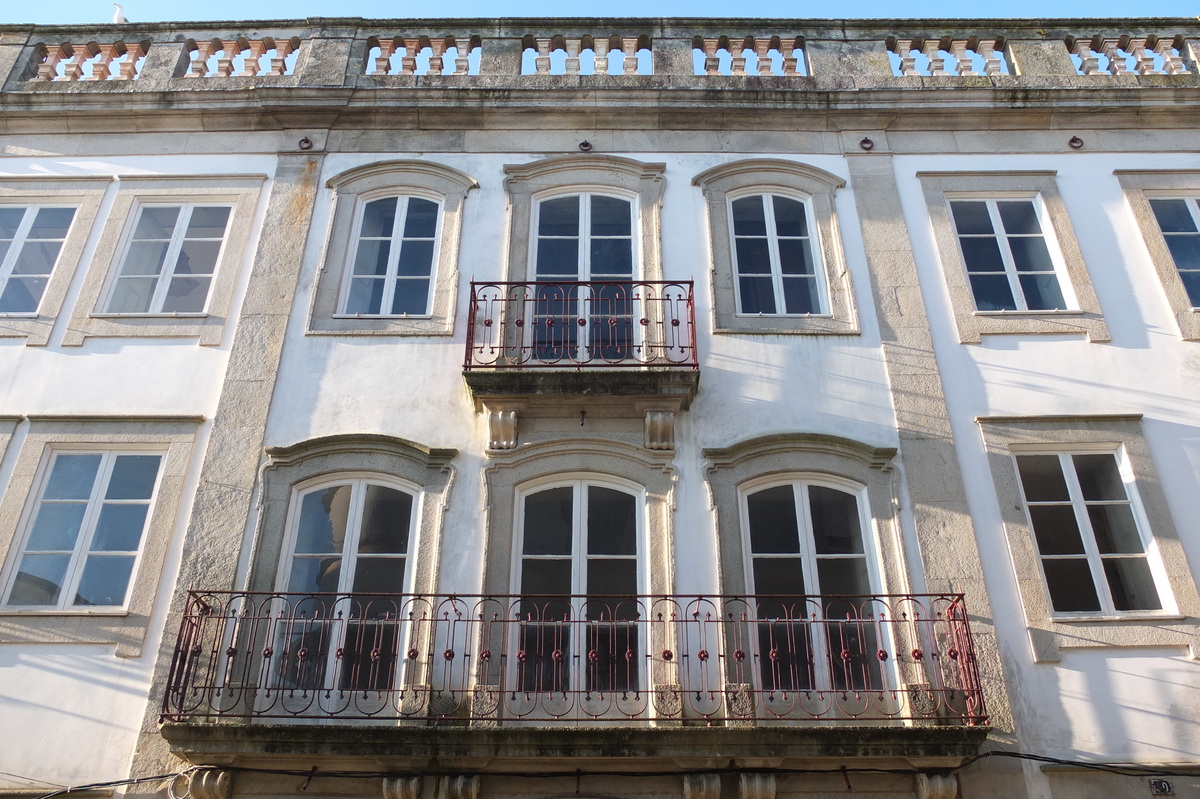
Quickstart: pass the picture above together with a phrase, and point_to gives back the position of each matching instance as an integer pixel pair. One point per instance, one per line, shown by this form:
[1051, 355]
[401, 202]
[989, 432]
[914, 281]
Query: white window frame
[392, 279]
[800, 484]
[814, 251]
[87, 529]
[164, 278]
[1088, 536]
[1193, 205]
[1002, 240]
[18, 245]
[579, 557]
[358, 482]
[585, 273]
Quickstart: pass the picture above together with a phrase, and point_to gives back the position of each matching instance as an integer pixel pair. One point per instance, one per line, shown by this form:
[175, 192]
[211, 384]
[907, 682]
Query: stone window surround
[128, 627]
[579, 173]
[1177, 625]
[88, 318]
[798, 456]
[354, 187]
[1085, 317]
[84, 193]
[726, 182]
[510, 472]
[294, 468]
[1140, 186]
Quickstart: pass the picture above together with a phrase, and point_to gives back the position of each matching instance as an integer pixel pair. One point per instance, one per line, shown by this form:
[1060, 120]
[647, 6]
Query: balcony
[604, 340]
[664, 661]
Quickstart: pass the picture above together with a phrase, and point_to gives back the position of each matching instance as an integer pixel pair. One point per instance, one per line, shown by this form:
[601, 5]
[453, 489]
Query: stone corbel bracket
[402, 787]
[210, 783]
[936, 786]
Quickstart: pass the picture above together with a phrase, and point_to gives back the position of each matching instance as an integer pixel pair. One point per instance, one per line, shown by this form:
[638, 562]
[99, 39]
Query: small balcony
[597, 338]
[578, 661]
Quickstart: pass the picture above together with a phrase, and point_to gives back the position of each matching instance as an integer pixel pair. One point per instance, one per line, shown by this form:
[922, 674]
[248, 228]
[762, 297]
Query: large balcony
[650, 661]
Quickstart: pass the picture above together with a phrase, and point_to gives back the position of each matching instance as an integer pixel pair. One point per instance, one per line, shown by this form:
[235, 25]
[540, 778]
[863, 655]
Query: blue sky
[94, 11]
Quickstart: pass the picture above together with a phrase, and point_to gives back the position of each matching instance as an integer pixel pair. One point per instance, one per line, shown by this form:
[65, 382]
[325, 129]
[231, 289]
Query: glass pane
[379, 216]
[1070, 584]
[1030, 254]
[416, 259]
[795, 258]
[411, 297]
[992, 293]
[144, 258]
[559, 217]
[753, 256]
[1115, 529]
[843, 576]
[323, 515]
[39, 580]
[558, 258]
[366, 296]
[120, 527]
[772, 517]
[789, 217]
[1131, 584]
[1056, 529]
[548, 518]
[105, 580]
[387, 517]
[156, 222]
[1018, 217]
[1173, 216]
[611, 216]
[835, 522]
[56, 527]
[198, 258]
[1099, 477]
[208, 222]
[757, 295]
[315, 575]
[132, 295]
[10, 220]
[22, 295]
[372, 257]
[611, 257]
[611, 577]
[982, 254]
[421, 221]
[749, 217]
[186, 295]
[1185, 250]
[612, 522]
[1042, 292]
[776, 578]
[800, 295]
[133, 477]
[548, 576]
[72, 476]
[37, 258]
[51, 223]
[1191, 283]
[971, 216]
[1042, 478]
[379, 576]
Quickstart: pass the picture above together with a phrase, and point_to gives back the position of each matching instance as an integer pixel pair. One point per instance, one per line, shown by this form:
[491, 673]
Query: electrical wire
[1124, 770]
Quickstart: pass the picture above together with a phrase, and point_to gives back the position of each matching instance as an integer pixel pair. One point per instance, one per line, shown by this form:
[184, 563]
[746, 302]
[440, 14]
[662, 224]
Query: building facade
[489, 408]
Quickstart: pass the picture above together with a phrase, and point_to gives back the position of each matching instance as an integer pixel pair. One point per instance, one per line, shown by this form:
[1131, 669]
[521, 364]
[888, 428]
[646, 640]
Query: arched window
[778, 269]
[395, 257]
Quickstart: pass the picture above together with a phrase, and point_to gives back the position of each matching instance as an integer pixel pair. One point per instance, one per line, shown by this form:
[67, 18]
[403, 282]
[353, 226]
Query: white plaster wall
[1110, 704]
[70, 714]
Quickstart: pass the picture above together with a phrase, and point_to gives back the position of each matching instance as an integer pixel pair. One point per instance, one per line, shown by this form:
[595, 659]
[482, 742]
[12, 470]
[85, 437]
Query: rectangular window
[31, 238]
[394, 258]
[777, 271]
[1091, 549]
[170, 260]
[1008, 259]
[1177, 218]
[86, 531]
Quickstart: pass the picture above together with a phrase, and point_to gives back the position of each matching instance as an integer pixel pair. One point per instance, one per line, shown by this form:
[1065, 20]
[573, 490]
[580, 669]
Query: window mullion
[773, 253]
[579, 547]
[87, 529]
[168, 268]
[353, 532]
[18, 243]
[391, 277]
[807, 553]
[1084, 521]
[1010, 264]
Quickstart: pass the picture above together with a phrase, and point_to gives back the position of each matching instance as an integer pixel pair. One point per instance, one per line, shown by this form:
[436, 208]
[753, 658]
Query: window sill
[1084, 618]
[381, 316]
[766, 316]
[19, 315]
[148, 316]
[42, 612]
[1053, 312]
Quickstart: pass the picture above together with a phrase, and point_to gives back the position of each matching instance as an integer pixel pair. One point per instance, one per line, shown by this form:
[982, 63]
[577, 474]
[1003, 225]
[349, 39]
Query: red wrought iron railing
[650, 659]
[581, 324]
